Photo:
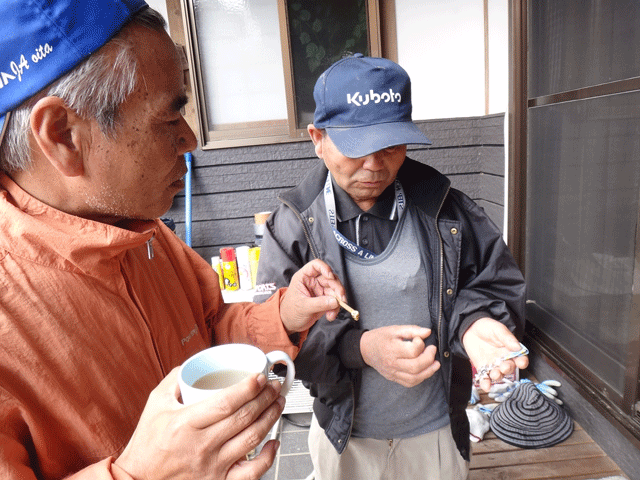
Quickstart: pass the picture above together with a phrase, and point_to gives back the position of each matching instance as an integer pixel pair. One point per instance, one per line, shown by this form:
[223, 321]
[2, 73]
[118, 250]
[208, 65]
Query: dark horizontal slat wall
[230, 185]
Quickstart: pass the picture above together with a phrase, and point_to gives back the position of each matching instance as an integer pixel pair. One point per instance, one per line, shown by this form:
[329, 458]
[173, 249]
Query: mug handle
[279, 356]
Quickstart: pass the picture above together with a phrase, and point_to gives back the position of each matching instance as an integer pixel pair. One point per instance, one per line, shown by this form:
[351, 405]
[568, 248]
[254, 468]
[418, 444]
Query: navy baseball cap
[41, 40]
[364, 104]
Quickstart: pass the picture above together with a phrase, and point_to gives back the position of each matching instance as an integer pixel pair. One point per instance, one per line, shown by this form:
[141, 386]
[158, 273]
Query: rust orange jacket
[90, 324]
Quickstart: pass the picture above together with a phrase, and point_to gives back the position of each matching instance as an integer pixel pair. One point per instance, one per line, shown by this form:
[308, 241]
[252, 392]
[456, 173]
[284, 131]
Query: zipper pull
[150, 248]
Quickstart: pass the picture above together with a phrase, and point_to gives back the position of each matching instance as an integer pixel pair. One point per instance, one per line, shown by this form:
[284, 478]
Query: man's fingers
[318, 267]
[318, 271]
[226, 402]
[410, 380]
[235, 420]
[485, 384]
[414, 371]
[412, 343]
[425, 356]
[509, 366]
[522, 362]
[411, 332]
[249, 420]
[318, 278]
[320, 305]
[168, 387]
[251, 437]
[256, 467]
[510, 341]
[320, 286]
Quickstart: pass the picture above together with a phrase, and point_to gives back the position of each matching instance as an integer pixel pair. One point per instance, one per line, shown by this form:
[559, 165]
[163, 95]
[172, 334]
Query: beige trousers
[433, 456]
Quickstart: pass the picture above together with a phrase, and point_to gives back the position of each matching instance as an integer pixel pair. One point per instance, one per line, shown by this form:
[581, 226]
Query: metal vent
[299, 400]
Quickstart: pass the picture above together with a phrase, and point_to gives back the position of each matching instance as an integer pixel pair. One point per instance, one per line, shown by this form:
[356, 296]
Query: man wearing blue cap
[100, 302]
[433, 282]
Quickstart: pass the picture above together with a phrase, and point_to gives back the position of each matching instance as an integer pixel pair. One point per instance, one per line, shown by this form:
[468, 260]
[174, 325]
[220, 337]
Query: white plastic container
[244, 267]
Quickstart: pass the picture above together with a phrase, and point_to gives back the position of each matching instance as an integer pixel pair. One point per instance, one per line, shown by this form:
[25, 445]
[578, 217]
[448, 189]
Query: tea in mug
[220, 379]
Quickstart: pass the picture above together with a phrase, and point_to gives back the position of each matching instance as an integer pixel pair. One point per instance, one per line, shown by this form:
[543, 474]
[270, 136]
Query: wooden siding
[230, 185]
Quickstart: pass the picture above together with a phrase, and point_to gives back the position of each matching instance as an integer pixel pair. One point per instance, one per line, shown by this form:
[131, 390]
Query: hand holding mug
[207, 439]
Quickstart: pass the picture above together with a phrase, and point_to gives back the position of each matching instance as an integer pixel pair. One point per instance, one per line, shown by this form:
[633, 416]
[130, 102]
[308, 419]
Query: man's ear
[316, 137]
[59, 131]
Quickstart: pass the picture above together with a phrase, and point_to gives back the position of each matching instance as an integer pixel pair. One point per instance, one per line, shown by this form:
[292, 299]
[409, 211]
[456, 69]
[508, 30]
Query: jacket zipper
[316, 256]
[440, 296]
[150, 253]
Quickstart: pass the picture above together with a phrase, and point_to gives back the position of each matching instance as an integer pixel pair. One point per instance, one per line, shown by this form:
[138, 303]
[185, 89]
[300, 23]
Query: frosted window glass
[241, 60]
[498, 56]
[441, 45]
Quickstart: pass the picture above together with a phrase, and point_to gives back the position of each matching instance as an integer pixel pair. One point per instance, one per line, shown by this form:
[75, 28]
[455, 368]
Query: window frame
[381, 32]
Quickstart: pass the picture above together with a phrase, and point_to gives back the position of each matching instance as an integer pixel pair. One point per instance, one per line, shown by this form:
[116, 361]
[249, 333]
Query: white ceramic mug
[222, 366]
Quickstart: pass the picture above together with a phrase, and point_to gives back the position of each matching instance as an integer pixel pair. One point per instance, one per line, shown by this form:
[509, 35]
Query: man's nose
[187, 141]
[374, 161]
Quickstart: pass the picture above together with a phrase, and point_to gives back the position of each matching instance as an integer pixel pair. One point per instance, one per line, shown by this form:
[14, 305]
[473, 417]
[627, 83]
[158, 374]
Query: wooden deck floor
[577, 458]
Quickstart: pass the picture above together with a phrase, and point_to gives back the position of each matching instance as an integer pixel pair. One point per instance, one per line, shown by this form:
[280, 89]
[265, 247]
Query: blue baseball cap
[364, 105]
[41, 40]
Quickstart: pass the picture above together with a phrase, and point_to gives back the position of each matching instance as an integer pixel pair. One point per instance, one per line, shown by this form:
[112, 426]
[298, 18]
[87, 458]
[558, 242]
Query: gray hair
[94, 89]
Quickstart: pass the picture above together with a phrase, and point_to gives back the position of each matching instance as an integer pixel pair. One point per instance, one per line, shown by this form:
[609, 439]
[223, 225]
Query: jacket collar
[426, 187]
[44, 235]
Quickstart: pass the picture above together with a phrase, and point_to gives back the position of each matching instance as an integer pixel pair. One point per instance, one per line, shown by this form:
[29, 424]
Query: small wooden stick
[354, 313]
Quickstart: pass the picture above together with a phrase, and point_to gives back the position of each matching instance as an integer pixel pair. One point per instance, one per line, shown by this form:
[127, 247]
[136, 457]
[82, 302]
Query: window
[288, 42]
[582, 196]
[581, 187]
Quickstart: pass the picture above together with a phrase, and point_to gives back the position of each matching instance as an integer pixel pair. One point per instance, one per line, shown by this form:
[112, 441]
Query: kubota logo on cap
[357, 100]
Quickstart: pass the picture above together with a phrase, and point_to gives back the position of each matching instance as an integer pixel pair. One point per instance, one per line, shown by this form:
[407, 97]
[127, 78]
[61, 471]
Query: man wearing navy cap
[428, 272]
[100, 302]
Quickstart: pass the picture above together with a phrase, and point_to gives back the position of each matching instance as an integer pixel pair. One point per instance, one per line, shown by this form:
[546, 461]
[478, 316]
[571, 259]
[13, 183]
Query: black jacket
[472, 271]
